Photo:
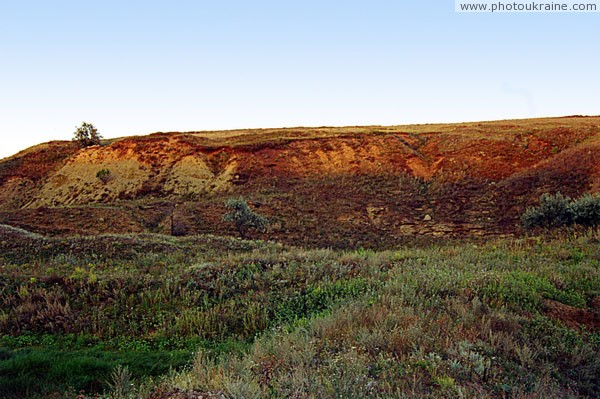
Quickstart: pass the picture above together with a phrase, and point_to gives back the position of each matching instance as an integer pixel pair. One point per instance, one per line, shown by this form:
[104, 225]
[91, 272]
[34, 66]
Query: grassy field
[154, 316]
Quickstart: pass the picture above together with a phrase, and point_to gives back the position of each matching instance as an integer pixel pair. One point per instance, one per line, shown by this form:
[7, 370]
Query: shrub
[586, 210]
[553, 211]
[87, 135]
[103, 175]
[244, 217]
[558, 210]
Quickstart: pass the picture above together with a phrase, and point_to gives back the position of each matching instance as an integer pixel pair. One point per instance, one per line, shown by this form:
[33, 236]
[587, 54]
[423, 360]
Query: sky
[138, 67]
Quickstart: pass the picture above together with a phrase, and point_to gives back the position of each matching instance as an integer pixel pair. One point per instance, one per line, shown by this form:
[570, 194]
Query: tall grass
[449, 322]
[163, 301]
[267, 321]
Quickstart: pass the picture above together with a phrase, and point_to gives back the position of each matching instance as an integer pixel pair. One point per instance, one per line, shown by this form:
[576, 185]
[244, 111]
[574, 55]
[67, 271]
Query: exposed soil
[340, 187]
[574, 317]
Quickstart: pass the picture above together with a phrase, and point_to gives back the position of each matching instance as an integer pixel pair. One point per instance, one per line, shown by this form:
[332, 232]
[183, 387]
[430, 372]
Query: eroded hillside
[354, 186]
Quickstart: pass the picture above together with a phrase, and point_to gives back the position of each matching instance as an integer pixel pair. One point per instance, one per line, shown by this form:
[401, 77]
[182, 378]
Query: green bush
[244, 217]
[104, 175]
[558, 210]
[553, 211]
[586, 210]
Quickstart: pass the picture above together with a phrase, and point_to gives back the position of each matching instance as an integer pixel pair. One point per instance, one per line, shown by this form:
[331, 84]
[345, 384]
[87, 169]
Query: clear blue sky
[136, 67]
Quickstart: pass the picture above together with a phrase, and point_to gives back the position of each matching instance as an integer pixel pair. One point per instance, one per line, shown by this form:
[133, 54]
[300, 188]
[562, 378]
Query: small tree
[244, 217]
[87, 135]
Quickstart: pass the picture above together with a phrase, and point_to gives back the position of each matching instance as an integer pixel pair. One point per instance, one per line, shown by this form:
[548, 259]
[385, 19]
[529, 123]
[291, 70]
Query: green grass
[38, 371]
[262, 320]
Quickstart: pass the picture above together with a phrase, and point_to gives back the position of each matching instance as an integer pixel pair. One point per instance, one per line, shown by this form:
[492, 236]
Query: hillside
[340, 187]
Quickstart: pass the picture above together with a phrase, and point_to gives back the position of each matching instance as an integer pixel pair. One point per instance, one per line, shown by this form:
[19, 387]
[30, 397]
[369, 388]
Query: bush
[586, 210]
[558, 210]
[554, 211]
[87, 135]
[103, 175]
[244, 217]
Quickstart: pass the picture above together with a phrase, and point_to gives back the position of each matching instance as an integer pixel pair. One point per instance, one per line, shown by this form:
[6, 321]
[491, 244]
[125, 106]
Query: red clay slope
[354, 186]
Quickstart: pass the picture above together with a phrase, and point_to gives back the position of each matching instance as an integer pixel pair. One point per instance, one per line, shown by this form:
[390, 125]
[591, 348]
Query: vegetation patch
[558, 211]
[262, 320]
